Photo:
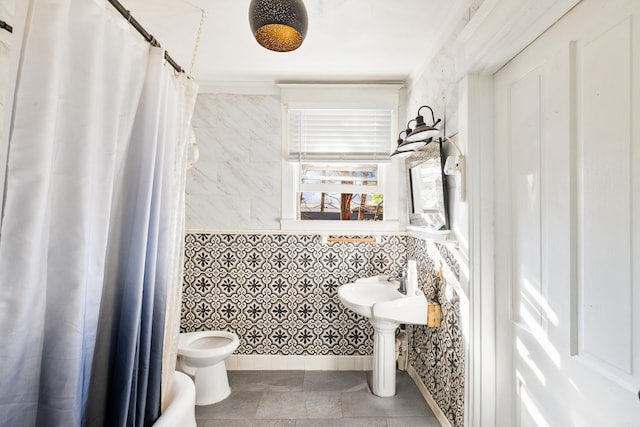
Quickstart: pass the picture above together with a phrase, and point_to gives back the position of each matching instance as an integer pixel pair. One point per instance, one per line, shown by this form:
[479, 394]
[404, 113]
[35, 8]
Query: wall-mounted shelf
[439, 236]
[350, 239]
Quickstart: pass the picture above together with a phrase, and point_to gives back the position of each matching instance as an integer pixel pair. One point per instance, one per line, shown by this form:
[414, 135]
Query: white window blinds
[339, 134]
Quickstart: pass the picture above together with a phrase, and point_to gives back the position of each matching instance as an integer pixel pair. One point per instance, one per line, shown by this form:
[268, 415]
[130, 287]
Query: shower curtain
[92, 172]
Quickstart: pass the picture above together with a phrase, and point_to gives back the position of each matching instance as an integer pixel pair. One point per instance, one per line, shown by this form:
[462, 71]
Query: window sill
[340, 226]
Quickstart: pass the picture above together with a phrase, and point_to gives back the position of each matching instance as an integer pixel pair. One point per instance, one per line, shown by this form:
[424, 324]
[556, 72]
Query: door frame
[497, 32]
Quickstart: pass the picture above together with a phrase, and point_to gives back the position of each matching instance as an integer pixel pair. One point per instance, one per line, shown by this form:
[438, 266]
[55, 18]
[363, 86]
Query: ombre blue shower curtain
[91, 166]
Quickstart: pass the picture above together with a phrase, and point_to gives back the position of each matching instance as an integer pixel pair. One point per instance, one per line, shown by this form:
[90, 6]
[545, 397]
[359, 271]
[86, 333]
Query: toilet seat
[201, 355]
[202, 344]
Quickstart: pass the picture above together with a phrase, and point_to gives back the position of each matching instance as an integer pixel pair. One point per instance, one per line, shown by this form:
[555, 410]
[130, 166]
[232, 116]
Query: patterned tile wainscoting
[437, 354]
[278, 292]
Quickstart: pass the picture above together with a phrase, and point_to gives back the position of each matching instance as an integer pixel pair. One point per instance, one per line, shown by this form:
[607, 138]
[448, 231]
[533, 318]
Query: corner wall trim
[442, 418]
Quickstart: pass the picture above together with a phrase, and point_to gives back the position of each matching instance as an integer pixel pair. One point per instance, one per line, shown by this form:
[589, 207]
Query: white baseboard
[259, 362]
[444, 422]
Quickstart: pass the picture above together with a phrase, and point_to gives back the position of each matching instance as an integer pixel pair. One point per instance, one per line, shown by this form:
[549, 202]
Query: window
[337, 173]
[340, 192]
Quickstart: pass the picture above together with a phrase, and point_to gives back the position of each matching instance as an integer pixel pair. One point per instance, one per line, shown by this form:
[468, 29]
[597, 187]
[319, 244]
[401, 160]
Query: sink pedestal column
[384, 358]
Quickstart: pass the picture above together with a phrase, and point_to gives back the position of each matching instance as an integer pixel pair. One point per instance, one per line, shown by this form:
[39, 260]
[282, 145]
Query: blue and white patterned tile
[280, 290]
[437, 354]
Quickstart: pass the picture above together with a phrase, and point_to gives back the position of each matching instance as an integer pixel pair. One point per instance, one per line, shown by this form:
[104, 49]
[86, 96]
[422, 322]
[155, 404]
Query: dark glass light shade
[278, 25]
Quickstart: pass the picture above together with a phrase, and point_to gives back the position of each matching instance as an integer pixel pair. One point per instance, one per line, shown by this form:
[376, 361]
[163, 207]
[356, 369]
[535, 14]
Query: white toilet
[201, 355]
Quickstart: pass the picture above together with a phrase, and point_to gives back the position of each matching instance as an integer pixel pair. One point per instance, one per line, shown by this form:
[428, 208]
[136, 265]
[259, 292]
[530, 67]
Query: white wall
[437, 86]
[6, 14]
[7, 11]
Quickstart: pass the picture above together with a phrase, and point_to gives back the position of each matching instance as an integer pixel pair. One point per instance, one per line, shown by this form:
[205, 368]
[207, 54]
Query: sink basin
[361, 297]
[379, 300]
[376, 297]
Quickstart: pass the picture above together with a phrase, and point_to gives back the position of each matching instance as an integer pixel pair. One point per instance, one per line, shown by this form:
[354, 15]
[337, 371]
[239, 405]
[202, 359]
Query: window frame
[383, 95]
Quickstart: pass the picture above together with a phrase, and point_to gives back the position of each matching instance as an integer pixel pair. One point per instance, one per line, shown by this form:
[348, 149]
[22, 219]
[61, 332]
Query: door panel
[525, 134]
[604, 198]
[567, 221]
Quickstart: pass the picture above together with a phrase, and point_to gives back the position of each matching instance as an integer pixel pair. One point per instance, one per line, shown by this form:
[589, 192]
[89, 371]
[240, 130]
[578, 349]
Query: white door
[567, 127]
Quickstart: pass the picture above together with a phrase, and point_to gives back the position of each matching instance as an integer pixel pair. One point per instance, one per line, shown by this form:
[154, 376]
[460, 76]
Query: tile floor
[315, 398]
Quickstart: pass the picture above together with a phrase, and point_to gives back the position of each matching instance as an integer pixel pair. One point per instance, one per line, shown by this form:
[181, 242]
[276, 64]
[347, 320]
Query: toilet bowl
[201, 355]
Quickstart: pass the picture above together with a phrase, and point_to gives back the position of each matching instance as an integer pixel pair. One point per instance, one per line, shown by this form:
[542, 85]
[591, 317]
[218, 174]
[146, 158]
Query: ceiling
[347, 40]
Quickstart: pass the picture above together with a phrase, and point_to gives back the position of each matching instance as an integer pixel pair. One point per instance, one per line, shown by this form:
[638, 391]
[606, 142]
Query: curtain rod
[6, 26]
[127, 15]
[148, 37]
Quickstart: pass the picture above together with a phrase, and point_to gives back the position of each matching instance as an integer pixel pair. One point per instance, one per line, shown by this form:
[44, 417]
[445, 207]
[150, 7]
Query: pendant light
[278, 25]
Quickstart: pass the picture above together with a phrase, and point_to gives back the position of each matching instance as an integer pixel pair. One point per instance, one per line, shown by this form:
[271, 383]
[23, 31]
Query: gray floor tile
[266, 380]
[343, 422]
[293, 405]
[250, 423]
[404, 383]
[413, 422]
[335, 381]
[403, 404]
[240, 405]
[315, 399]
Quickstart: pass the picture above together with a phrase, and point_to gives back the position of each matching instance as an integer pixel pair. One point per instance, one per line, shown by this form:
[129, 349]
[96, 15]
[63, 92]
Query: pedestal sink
[379, 300]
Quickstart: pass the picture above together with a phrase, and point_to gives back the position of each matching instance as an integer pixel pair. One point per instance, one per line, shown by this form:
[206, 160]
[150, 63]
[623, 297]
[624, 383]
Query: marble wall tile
[236, 184]
[201, 179]
[206, 210]
[205, 112]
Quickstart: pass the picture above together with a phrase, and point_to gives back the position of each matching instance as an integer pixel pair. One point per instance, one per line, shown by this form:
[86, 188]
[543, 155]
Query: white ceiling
[348, 40]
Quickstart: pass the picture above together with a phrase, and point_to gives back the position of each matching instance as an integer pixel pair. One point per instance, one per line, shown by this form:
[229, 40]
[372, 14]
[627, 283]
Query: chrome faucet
[401, 278]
